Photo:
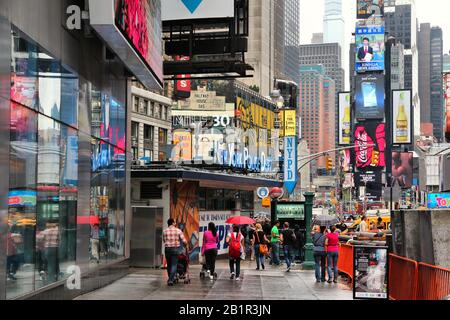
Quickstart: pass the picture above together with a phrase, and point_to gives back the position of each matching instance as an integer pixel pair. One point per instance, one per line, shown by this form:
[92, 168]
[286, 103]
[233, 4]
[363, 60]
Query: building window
[162, 141]
[135, 104]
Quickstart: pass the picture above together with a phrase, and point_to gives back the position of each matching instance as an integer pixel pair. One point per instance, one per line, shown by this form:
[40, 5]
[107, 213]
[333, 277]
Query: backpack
[235, 246]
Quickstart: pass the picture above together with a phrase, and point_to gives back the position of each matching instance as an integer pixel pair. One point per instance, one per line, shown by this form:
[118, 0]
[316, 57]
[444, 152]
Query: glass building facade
[63, 156]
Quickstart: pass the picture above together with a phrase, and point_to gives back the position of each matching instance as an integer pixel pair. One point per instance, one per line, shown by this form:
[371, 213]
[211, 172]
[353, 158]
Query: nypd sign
[290, 164]
[196, 9]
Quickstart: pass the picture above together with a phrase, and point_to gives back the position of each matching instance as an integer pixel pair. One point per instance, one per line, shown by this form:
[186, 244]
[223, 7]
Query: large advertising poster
[140, 23]
[368, 8]
[218, 218]
[346, 160]
[344, 119]
[402, 123]
[369, 97]
[402, 169]
[372, 183]
[439, 201]
[371, 273]
[370, 48]
[294, 211]
[447, 106]
[370, 157]
[183, 145]
[196, 9]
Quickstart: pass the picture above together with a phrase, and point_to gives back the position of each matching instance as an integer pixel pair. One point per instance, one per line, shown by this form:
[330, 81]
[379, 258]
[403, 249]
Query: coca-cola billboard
[370, 146]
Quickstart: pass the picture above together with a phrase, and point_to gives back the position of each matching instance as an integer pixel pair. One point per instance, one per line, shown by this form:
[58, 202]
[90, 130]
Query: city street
[271, 284]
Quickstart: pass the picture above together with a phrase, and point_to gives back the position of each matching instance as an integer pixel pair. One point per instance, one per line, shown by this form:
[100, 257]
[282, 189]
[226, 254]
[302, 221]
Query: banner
[290, 163]
[370, 157]
[439, 201]
[369, 96]
[295, 211]
[402, 124]
[290, 121]
[218, 218]
[370, 273]
[183, 145]
[402, 169]
[372, 183]
[368, 8]
[344, 117]
[370, 48]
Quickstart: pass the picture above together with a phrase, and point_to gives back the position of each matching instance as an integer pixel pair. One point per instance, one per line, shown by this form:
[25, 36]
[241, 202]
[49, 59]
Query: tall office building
[279, 38]
[430, 78]
[401, 22]
[333, 23]
[291, 39]
[446, 63]
[317, 109]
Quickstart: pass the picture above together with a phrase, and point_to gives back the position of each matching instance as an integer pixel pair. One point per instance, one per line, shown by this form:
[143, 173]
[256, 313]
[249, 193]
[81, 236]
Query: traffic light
[329, 164]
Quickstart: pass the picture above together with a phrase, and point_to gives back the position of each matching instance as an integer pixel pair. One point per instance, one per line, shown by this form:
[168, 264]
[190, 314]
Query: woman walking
[209, 249]
[260, 246]
[332, 245]
[320, 255]
[235, 241]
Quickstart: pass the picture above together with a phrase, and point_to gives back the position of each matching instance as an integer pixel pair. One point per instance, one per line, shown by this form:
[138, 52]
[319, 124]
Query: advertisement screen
[402, 117]
[369, 97]
[439, 201]
[344, 119]
[196, 9]
[370, 48]
[370, 273]
[372, 183]
[370, 157]
[294, 211]
[140, 23]
[346, 160]
[367, 8]
[447, 106]
[402, 169]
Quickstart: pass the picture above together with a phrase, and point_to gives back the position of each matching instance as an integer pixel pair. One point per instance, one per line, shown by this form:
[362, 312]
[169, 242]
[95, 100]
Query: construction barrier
[403, 278]
[433, 282]
[345, 261]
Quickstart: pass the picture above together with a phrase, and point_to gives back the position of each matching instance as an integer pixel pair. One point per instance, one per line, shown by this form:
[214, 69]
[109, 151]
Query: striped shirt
[51, 237]
[172, 236]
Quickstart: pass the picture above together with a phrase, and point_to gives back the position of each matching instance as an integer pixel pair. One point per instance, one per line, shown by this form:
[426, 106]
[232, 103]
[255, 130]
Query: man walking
[288, 239]
[275, 243]
[171, 238]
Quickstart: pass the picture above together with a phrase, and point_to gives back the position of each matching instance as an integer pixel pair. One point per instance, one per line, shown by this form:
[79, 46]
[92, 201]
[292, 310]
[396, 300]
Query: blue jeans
[288, 255]
[319, 258]
[172, 261]
[276, 253]
[332, 264]
[259, 257]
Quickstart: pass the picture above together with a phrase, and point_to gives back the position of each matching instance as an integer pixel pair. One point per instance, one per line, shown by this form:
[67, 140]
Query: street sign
[266, 202]
[262, 193]
[290, 164]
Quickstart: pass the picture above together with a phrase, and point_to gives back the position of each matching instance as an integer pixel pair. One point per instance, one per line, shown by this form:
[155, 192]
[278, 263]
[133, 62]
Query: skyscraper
[291, 39]
[333, 23]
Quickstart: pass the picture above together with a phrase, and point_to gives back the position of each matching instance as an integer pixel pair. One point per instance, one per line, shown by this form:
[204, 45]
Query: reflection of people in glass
[365, 53]
[95, 242]
[12, 259]
[51, 238]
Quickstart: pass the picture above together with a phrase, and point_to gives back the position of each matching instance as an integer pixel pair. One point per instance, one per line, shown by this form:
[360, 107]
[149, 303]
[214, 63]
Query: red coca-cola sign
[367, 155]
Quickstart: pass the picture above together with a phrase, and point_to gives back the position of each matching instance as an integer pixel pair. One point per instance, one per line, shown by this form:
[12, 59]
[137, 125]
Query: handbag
[262, 247]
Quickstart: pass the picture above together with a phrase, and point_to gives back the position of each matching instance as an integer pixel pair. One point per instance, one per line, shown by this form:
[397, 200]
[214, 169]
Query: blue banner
[290, 163]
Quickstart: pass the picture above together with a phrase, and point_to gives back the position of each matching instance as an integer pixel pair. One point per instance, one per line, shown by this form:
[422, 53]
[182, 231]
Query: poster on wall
[372, 183]
[185, 211]
[402, 123]
[369, 102]
[402, 169]
[371, 274]
[370, 48]
[218, 218]
[369, 8]
[370, 146]
[344, 119]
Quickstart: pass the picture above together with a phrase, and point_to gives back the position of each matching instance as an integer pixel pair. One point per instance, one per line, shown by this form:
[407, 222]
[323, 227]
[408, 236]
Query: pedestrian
[288, 239]
[299, 243]
[51, 237]
[251, 242]
[95, 242]
[275, 243]
[267, 228]
[235, 241]
[260, 246]
[171, 237]
[381, 226]
[320, 255]
[332, 245]
[209, 249]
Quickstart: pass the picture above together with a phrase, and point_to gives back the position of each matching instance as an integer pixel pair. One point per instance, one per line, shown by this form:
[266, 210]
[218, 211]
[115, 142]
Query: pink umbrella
[240, 220]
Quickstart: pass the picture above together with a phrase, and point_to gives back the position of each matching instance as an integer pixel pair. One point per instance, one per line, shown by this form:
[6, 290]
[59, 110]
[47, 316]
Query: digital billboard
[369, 102]
[370, 157]
[196, 9]
[345, 124]
[439, 201]
[402, 169]
[447, 106]
[372, 183]
[183, 87]
[370, 48]
[368, 8]
[402, 124]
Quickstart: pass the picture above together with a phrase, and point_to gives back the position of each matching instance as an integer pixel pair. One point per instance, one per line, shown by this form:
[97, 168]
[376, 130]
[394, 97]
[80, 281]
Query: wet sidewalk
[274, 283]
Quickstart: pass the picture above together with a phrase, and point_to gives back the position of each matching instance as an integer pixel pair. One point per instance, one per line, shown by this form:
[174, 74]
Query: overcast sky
[311, 20]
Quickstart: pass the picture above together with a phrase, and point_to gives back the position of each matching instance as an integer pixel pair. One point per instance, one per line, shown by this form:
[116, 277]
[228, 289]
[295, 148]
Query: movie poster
[370, 143]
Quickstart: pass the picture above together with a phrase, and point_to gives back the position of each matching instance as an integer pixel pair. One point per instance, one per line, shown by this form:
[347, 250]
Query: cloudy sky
[311, 19]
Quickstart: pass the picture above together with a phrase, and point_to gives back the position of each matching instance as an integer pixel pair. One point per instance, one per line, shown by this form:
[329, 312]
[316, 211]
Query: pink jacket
[209, 241]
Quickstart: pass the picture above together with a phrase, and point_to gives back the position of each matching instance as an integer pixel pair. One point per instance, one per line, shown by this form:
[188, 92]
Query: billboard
[370, 157]
[439, 201]
[369, 97]
[402, 124]
[371, 273]
[196, 9]
[372, 183]
[370, 48]
[368, 8]
[183, 87]
[290, 120]
[183, 145]
[402, 169]
[294, 211]
[447, 106]
[218, 218]
[346, 160]
[344, 117]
